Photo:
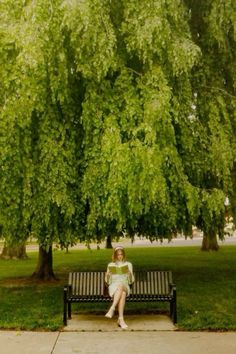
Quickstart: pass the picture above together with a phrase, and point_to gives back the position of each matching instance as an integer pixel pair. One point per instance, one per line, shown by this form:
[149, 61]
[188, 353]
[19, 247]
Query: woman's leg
[121, 307]
[118, 296]
[121, 304]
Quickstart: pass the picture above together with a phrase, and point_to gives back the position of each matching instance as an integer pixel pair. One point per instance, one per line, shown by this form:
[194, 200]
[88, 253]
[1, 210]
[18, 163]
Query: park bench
[148, 286]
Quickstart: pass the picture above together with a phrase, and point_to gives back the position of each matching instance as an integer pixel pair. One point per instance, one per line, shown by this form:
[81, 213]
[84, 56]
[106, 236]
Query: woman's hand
[130, 277]
[107, 277]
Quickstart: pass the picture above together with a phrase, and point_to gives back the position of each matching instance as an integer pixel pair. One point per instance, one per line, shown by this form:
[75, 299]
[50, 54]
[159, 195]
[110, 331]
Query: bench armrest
[67, 289]
[172, 287]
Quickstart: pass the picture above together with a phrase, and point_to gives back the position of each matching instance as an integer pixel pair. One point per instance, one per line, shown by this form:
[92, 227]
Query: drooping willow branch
[220, 89]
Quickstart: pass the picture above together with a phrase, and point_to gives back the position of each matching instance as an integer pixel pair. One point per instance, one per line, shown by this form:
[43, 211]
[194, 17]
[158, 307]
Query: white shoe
[110, 313]
[121, 323]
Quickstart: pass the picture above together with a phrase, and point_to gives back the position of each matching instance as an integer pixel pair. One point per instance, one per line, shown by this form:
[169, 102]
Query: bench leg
[174, 307]
[173, 311]
[65, 306]
[69, 310]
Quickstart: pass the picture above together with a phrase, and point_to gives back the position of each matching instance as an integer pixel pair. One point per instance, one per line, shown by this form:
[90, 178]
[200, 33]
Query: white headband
[119, 248]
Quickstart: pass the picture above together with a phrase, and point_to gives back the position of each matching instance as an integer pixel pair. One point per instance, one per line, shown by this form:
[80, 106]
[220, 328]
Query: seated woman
[119, 276]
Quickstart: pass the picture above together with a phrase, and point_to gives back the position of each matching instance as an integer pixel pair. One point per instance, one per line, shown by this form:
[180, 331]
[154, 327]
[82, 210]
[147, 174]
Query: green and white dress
[115, 280]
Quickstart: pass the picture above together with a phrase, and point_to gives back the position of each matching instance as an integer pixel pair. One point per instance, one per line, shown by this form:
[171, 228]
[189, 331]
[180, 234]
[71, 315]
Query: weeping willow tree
[134, 178]
[40, 129]
[104, 128]
[166, 138]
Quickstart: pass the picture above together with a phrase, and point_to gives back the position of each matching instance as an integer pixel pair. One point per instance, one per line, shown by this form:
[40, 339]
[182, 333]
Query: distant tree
[14, 180]
[14, 252]
[213, 82]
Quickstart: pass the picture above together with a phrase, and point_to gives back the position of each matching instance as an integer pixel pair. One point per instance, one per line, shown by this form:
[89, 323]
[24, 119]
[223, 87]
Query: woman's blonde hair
[118, 248]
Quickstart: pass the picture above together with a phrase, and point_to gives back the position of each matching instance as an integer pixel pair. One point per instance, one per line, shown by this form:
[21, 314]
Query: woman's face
[119, 256]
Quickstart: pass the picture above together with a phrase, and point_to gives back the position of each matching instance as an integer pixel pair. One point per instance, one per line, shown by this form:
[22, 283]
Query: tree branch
[134, 71]
[220, 89]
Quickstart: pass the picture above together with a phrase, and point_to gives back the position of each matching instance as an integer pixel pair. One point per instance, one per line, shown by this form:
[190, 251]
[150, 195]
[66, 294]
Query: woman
[119, 276]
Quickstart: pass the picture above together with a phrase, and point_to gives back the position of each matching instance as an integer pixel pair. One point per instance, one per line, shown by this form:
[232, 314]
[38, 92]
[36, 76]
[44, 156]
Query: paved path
[143, 342]
[139, 242]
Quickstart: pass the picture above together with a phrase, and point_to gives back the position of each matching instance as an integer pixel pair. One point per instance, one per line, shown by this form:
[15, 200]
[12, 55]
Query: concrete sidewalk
[97, 335]
[143, 342]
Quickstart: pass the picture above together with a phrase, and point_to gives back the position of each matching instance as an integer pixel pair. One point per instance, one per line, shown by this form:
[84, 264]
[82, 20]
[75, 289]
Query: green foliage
[38, 120]
[92, 37]
[158, 32]
[115, 117]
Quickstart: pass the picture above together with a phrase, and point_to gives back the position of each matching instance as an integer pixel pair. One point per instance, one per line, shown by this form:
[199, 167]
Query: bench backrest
[146, 282]
[152, 282]
[87, 283]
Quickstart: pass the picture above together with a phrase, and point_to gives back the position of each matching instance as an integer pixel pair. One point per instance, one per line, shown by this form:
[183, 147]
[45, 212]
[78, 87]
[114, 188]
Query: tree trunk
[108, 242]
[44, 269]
[14, 252]
[209, 242]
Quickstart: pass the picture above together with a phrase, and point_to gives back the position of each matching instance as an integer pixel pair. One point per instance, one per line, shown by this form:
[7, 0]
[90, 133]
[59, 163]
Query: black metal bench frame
[149, 286]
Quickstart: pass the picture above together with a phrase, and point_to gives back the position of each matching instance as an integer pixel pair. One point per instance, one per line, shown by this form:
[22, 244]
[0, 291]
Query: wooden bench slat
[152, 283]
[162, 283]
[96, 283]
[79, 286]
[148, 284]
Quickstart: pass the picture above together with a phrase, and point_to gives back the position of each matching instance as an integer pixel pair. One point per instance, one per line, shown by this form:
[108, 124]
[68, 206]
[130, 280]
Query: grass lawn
[206, 287]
